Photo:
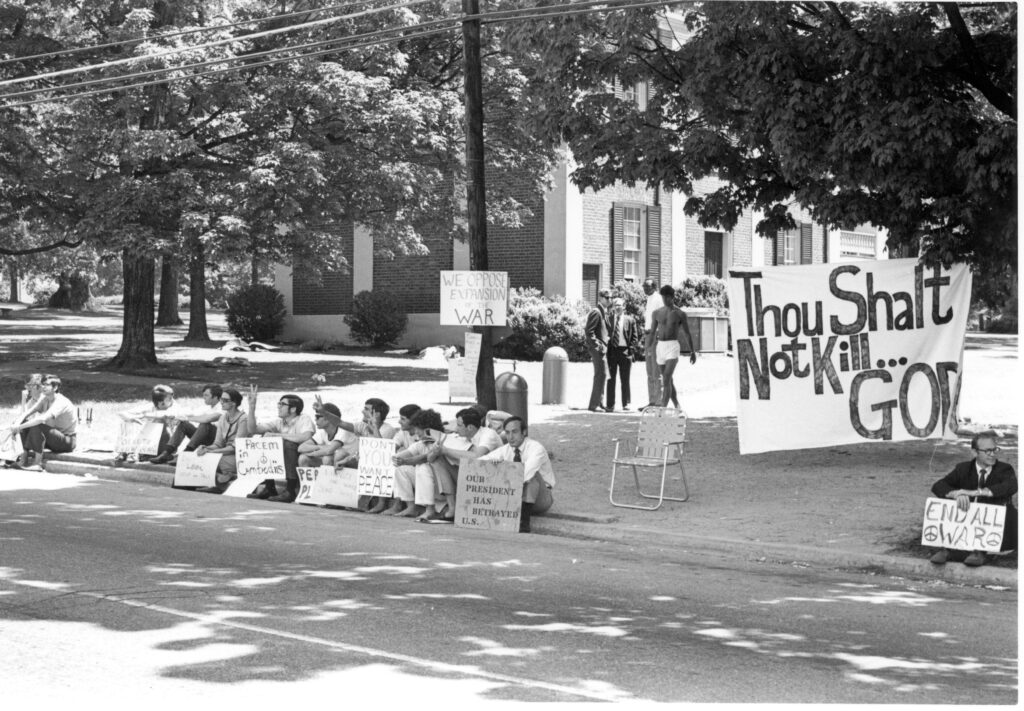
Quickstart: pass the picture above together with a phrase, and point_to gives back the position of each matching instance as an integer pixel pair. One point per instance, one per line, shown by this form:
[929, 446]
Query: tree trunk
[15, 282]
[197, 293]
[167, 312]
[138, 349]
[254, 269]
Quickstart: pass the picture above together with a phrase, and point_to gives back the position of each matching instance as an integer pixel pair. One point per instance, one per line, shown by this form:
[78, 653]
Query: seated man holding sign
[375, 411]
[198, 426]
[293, 428]
[538, 476]
[162, 397]
[326, 442]
[984, 480]
[231, 425]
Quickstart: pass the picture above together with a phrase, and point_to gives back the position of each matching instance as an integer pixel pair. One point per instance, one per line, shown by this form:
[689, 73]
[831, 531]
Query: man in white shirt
[320, 449]
[654, 302]
[375, 411]
[538, 476]
[202, 432]
[53, 428]
[293, 428]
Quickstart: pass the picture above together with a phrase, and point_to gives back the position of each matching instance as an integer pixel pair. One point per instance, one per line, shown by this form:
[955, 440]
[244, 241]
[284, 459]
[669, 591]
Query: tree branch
[976, 71]
[45, 248]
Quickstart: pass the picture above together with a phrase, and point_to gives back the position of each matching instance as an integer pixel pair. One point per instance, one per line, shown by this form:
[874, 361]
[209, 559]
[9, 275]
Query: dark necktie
[981, 478]
[615, 329]
[517, 456]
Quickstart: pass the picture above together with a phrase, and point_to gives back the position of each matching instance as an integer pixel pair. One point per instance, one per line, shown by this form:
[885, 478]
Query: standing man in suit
[654, 303]
[597, 343]
[622, 341]
[985, 480]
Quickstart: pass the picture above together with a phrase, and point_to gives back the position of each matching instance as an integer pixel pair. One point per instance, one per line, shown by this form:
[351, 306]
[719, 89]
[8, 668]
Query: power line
[207, 45]
[488, 18]
[170, 35]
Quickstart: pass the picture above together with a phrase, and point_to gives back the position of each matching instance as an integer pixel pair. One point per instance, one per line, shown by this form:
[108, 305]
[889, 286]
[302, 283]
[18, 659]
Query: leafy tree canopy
[898, 114]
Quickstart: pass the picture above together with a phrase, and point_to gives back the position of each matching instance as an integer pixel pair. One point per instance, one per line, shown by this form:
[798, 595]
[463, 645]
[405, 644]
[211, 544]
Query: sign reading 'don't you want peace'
[843, 353]
[376, 469]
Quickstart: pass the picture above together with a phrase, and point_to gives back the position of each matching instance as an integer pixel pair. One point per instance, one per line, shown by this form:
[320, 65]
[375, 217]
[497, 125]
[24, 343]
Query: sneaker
[975, 559]
[940, 557]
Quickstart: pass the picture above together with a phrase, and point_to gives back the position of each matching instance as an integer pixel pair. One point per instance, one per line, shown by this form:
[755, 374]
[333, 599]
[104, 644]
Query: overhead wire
[380, 39]
[170, 35]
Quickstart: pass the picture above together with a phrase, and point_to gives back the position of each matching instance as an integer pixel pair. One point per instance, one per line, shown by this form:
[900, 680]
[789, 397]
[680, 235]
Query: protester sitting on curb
[320, 449]
[161, 411]
[403, 502]
[375, 411]
[984, 480]
[202, 432]
[231, 425]
[51, 424]
[432, 487]
[538, 476]
[293, 428]
[31, 398]
[472, 440]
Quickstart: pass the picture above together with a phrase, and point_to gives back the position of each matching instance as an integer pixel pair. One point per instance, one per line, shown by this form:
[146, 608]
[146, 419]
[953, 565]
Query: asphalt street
[114, 592]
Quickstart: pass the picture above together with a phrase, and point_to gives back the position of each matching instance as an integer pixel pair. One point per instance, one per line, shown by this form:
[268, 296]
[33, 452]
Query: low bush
[1003, 324]
[377, 318]
[704, 292]
[634, 296]
[539, 322]
[256, 313]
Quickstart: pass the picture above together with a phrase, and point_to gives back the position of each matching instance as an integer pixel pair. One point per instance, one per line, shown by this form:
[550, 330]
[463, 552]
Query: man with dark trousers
[596, 332]
[985, 480]
[622, 341]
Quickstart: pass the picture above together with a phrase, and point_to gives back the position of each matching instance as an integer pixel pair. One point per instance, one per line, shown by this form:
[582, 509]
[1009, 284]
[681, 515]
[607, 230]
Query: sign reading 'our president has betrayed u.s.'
[843, 353]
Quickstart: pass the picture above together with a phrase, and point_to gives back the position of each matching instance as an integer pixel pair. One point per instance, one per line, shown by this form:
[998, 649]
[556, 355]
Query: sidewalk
[854, 507]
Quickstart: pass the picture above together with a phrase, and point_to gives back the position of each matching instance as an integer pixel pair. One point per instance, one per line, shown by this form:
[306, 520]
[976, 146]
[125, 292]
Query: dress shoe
[975, 559]
[940, 556]
[162, 458]
[285, 497]
[264, 491]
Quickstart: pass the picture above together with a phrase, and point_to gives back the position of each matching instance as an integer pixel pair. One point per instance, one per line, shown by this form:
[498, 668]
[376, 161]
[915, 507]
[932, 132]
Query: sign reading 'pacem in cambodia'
[843, 353]
[489, 495]
[474, 298]
[376, 469]
[979, 528]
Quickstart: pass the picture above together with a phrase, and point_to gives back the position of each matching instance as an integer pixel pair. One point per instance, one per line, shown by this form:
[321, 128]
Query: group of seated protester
[46, 420]
[427, 458]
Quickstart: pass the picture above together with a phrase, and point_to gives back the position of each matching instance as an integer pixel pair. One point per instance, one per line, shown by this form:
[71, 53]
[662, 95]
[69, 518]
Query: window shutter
[617, 243]
[654, 242]
[780, 248]
[617, 88]
[806, 244]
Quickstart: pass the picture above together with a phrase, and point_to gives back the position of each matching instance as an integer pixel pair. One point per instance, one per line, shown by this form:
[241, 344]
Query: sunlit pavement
[112, 593]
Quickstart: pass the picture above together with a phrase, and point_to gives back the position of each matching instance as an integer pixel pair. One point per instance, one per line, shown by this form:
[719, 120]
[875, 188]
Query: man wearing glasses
[985, 480]
[293, 428]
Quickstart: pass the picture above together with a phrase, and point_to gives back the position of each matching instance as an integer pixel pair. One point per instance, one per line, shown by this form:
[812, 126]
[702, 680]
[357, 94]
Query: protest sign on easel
[462, 371]
[136, 438]
[376, 470]
[256, 459]
[327, 486]
[193, 470]
[489, 495]
[979, 528]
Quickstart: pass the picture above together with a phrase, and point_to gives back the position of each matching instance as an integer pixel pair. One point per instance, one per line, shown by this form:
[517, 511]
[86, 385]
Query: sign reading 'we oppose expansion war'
[837, 354]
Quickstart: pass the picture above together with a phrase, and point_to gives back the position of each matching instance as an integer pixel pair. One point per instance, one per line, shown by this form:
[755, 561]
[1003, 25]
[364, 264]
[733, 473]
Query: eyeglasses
[993, 450]
[226, 399]
[284, 404]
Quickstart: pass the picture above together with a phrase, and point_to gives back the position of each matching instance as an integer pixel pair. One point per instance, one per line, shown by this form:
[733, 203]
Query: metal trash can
[511, 393]
[554, 381]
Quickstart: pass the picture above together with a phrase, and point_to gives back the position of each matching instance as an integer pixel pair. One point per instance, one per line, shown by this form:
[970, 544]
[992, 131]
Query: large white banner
[474, 298]
[843, 353]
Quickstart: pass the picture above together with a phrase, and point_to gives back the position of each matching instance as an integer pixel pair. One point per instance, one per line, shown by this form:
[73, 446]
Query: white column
[563, 235]
[679, 220]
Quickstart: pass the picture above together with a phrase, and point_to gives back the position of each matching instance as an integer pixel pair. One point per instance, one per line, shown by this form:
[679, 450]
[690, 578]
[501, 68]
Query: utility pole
[476, 197]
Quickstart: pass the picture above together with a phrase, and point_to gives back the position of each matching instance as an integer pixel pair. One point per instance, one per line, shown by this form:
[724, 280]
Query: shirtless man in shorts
[669, 321]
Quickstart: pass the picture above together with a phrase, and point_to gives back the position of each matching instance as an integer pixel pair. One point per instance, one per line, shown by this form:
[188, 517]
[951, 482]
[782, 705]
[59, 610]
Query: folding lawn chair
[658, 444]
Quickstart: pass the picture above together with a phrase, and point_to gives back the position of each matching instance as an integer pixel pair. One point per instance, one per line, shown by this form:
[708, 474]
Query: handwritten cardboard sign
[135, 438]
[376, 470]
[256, 459]
[327, 486]
[489, 495]
[193, 470]
[474, 298]
[979, 528]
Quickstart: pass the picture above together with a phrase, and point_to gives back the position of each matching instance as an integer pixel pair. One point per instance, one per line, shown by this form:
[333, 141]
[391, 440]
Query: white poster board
[256, 459]
[327, 486]
[979, 528]
[473, 298]
[10, 444]
[462, 371]
[845, 353]
[193, 470]
[376, 469]
[489, 495]
[136, 438]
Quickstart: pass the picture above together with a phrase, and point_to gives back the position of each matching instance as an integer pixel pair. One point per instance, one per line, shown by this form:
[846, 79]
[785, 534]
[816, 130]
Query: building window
[631, 247]
[789, 247]
[714, 253]
[591, 282]
[857, 245]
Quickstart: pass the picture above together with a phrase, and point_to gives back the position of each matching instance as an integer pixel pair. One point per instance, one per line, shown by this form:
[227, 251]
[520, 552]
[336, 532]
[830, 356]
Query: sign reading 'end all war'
[474, 298]
[979, 528]
[843, 353]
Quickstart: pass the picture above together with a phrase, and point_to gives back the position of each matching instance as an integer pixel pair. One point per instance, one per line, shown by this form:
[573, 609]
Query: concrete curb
[604, 528]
